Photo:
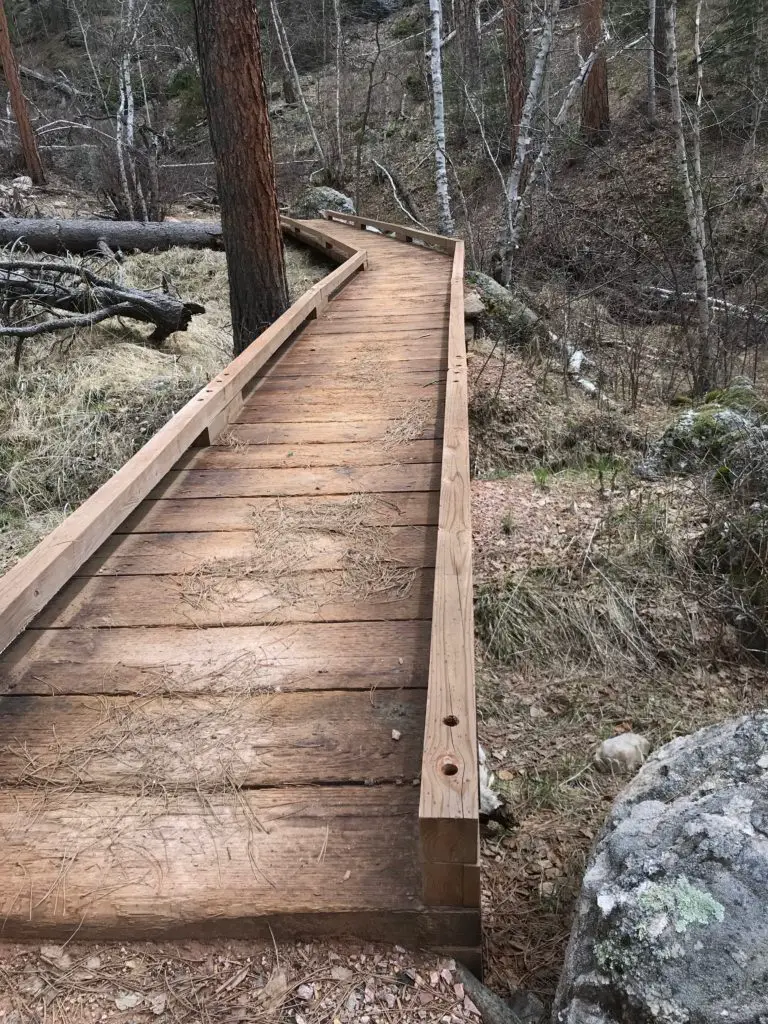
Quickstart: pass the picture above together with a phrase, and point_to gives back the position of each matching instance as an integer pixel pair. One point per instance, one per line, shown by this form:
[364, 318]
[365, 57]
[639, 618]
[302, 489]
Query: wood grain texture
[232, 600]
[303, 860]
[171, 515]
[209, 742]
[246, 555]
[316, 656]
[335, 406]
[328, 432]
[283, 456]
[448, 807]
[249, 483]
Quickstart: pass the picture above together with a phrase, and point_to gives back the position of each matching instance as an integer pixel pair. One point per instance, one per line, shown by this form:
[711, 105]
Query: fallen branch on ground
[58, 236]
[401, 195]
[31, 290]
[719, 305]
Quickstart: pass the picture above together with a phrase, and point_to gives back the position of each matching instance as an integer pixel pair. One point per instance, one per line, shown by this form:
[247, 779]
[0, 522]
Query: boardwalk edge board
[31, 583]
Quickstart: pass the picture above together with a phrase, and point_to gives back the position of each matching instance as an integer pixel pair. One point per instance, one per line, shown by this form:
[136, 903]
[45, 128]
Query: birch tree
[689, 172]
[444, 216]
[514, 185]
[235, 96]
[651, 62]
[293, 75]
[338, 169]
[18, 103]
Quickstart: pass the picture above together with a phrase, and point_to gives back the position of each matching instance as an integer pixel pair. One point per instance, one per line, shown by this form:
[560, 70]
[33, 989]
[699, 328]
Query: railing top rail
[449, 798]
[402, 233]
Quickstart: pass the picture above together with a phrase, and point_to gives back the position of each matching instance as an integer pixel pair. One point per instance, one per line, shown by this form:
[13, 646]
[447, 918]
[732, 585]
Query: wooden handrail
[449, 800]
[36, 579]
[330, 247]
[403, 234]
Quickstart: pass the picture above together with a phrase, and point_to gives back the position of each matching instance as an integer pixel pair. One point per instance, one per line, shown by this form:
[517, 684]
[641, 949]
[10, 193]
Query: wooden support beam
[449, 805]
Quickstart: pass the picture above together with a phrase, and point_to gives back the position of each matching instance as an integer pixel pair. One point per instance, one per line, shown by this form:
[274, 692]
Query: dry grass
[409, 426]
[287, 538]
[80, 406]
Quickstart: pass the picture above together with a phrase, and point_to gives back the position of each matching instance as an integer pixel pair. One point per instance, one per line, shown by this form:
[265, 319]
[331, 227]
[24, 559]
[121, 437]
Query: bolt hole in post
[450, 720]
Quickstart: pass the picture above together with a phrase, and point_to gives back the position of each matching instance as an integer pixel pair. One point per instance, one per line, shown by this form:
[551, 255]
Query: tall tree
[232, 76]
[651, 62]
[514, 40]
[18, 103]
[595, 114]
[688, 159]
[444, 217]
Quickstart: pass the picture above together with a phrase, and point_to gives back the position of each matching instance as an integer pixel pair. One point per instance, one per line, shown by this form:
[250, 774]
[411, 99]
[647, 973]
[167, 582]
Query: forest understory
[598, 609]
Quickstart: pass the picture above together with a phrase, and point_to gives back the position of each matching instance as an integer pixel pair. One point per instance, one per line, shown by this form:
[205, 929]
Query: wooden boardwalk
[240, 693]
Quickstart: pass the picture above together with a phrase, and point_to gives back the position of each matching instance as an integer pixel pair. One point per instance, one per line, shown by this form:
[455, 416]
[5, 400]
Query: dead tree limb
[57, 236]
[401, 194]
[30, 292]
[62, 85]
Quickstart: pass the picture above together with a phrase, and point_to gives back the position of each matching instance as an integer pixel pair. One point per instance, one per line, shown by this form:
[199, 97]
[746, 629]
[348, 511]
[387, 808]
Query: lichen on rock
[671, 926]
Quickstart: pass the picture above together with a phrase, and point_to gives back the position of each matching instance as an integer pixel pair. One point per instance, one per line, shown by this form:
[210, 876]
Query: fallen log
[58, 236]
[42, 297]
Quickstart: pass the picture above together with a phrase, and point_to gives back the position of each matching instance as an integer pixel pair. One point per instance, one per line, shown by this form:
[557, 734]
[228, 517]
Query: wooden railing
[449, 801]
[28, 587]
[402, 233]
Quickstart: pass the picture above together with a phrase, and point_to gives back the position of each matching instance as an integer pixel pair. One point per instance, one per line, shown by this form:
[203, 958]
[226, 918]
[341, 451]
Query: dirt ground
[218, 982]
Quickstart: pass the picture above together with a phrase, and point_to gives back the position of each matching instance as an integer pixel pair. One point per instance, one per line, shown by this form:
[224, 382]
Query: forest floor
[591, 620]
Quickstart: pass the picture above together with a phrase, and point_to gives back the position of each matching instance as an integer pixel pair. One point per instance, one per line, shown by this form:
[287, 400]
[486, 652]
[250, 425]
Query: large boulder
[315, 199]
[672, 923]
[702, 435]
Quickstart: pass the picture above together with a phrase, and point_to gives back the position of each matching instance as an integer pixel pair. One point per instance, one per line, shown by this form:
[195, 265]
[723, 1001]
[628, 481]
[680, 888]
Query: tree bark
[18, 103]
[232, 76]
[651, 62]
[514, 40]
[51, 235]
[595, 114]
[444, 217]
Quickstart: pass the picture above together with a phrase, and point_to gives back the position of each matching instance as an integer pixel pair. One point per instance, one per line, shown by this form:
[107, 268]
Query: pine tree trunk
[235, 97]
[515, 67]
[595, 115]
[18, 103]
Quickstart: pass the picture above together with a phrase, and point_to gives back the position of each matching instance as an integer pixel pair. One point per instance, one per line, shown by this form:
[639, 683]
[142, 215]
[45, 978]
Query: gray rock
[625, 752]
[671, 925]
[315, 199]
[698, 437]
